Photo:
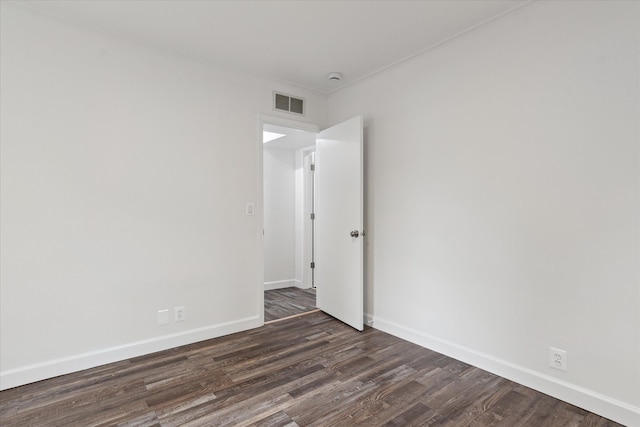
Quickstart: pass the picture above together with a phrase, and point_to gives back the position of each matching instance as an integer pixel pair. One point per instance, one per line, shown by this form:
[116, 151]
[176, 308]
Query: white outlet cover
[558, 359]
[163, 317]
[179, 313]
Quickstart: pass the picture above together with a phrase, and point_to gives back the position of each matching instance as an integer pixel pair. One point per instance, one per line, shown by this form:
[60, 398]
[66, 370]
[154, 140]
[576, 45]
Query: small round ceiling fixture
[334, 77]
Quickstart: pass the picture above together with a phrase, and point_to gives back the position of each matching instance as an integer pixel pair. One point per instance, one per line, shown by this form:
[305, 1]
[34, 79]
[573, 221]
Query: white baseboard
[592, 401]
[302, 285]
[281, 284]
[53, 368]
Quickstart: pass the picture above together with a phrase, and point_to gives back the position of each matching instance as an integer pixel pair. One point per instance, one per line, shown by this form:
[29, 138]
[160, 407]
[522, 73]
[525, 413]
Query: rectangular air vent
[282, 102]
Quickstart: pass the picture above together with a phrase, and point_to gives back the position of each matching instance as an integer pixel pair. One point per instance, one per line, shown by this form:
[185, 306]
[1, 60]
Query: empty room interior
[475, 255]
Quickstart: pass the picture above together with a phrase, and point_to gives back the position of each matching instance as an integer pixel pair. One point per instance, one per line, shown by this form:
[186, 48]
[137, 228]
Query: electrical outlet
[163, 317]
[179, 313]
[558, 359]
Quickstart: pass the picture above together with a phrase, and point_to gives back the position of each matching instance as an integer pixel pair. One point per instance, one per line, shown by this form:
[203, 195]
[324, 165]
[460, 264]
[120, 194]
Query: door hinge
[313, 166]
[313, 265]
[313, 216]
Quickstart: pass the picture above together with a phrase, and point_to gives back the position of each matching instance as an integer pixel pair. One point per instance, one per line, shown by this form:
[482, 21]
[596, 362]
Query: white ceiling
[297, 42]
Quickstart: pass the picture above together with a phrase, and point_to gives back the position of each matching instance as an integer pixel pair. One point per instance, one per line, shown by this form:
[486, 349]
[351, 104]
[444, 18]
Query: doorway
[288, 199]
[338, 221]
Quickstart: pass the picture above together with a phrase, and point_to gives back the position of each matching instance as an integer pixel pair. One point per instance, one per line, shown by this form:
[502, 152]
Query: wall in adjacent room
[279, 217]
[503, 199]
[124, 177]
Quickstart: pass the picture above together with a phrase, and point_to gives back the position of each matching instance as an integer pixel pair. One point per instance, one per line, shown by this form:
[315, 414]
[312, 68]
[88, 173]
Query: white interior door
[339, 222]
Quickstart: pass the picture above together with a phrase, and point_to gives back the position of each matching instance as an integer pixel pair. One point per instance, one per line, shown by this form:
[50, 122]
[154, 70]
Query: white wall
[502, 196]
[279, 217]
[124, 176]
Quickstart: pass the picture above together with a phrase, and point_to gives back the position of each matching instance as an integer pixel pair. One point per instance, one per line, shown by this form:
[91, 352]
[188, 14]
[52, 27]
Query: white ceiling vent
[282, 102]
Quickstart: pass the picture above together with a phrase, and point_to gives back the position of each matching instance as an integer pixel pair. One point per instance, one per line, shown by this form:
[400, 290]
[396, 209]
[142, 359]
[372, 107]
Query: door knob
[356, 233]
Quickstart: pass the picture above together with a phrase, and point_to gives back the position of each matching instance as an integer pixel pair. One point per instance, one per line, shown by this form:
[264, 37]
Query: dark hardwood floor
[308, 371]
[281, 303]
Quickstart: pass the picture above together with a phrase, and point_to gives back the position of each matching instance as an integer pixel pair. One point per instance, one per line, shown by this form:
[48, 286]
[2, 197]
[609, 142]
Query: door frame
[259, 203]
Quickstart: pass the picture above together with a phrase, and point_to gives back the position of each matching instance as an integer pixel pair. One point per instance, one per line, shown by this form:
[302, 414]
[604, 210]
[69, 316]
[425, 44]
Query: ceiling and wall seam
[339, 49]
[433, 46]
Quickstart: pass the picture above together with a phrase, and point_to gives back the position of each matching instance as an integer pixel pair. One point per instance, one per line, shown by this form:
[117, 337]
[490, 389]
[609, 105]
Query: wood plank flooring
[307, 371]
[281, 303]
